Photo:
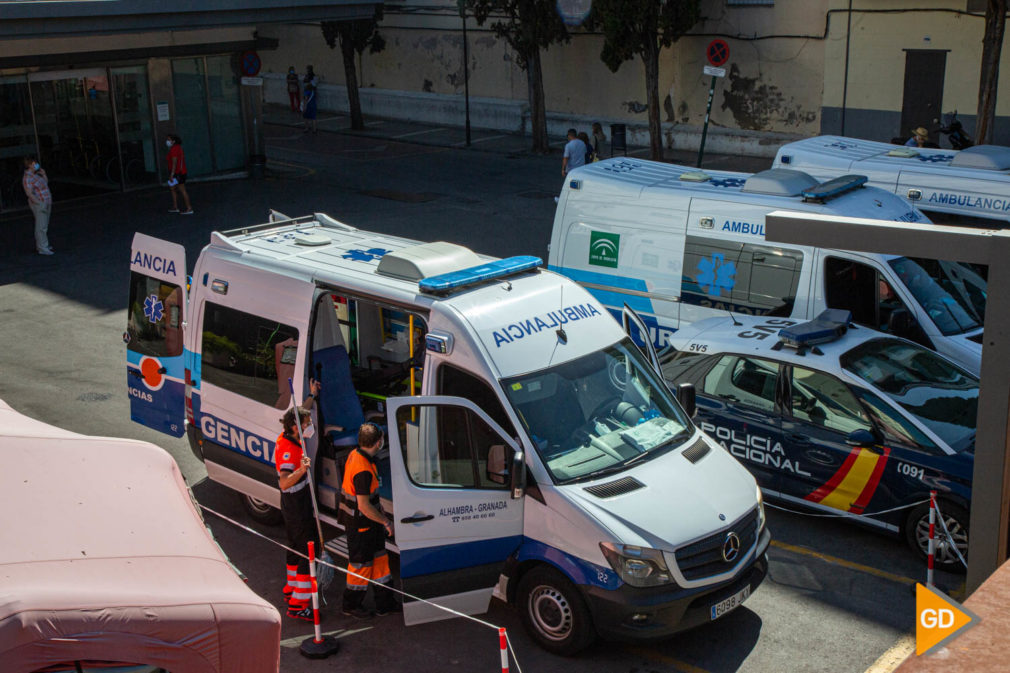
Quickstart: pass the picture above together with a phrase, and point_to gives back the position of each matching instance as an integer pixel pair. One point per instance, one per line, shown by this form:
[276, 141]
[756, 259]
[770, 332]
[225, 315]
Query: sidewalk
[483, 140]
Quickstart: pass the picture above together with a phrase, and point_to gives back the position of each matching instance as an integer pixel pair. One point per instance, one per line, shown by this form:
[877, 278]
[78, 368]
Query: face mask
[309, 431]
[168, 143]
[36, 166]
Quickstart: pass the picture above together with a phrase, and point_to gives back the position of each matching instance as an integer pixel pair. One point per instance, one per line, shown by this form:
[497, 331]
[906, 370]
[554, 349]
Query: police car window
[446, 446]
[248, 355]
[154, 322]
[743, 380]
[894, 427]
[742, 277]
[825, 401]
[599, 413]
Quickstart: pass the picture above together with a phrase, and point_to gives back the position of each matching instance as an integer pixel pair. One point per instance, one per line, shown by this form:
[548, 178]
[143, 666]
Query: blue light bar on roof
[831, 188]
[454, 280]
[830, 325]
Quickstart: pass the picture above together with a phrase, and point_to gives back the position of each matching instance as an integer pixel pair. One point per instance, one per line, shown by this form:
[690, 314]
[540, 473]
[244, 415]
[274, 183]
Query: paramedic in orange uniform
[296, 504]
[366, 526]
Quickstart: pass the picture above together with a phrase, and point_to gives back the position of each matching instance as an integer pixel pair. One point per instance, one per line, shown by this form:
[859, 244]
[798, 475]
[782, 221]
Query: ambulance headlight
[761, 510]
[637, 566]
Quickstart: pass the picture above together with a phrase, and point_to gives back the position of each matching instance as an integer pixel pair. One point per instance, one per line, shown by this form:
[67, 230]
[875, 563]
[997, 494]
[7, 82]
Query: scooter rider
[296, 503]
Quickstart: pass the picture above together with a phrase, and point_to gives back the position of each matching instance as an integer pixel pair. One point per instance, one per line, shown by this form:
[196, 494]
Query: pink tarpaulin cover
[103, 556]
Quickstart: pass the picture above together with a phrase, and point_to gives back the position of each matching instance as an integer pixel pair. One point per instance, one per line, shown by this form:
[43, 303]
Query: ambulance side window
[153, 322]
[458, 383]
[864, 291]
[243, 353]
[447, 446]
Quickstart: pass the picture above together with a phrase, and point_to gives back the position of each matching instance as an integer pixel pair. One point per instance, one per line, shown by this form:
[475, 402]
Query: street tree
[643, 28]
[527, 26]
[992, 47]
[354, 37]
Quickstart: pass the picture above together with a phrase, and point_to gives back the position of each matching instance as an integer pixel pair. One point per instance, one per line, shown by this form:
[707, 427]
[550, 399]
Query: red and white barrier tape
[502, 633]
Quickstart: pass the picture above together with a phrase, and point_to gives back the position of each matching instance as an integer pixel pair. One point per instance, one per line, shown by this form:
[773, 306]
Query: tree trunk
[650, 58]
[538, 110]
[351, 80]
[992, 46]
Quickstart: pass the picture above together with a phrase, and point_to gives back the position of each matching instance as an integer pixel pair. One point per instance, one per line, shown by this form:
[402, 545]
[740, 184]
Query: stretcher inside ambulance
[541, 459]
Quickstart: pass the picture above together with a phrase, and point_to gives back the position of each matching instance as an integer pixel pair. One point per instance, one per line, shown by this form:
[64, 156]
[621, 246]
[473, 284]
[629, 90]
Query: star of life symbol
[935, 158]
[715, 274]
[841, 145]
[727, 182]
[153, 308]
[365, 255]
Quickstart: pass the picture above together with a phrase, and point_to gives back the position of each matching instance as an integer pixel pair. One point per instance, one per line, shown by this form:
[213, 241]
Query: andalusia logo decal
[603, 249]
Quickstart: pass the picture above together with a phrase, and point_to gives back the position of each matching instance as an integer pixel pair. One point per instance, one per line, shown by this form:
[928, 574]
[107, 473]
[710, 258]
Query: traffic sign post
[717, 53]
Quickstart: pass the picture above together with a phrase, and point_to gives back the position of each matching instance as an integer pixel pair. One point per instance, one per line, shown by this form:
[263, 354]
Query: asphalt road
[836, 598]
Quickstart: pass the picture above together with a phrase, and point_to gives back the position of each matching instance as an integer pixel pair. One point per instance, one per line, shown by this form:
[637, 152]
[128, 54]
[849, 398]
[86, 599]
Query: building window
[243, 353]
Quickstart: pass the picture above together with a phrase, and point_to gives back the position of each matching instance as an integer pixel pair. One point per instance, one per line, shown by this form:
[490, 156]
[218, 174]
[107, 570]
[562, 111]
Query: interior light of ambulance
[473, 275]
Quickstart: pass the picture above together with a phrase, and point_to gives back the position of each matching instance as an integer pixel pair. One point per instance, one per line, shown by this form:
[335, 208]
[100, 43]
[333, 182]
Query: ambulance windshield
[952, 293]
[598, 414]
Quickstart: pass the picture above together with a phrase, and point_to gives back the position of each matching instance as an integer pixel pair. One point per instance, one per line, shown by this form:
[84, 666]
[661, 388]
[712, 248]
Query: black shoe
[395, 608]
[357, 613]
[305, 614]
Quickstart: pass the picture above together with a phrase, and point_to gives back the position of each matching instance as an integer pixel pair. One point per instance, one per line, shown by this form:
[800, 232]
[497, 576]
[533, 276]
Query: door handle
[799, 439]
[418, 518]
[135, 372]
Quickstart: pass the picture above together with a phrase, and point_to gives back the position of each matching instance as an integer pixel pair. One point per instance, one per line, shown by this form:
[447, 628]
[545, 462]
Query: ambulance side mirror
[517, 483]
[686, 395]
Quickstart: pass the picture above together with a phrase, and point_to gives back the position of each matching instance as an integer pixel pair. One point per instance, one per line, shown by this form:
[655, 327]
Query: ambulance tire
[261, 511]
[917, 534]
[553, 612]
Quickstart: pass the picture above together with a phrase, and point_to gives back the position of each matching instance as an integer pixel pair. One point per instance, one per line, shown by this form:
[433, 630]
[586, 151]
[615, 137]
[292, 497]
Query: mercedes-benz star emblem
[731, 547]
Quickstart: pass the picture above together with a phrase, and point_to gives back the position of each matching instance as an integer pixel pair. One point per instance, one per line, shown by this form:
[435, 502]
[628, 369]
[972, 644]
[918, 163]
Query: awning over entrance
[50, 19]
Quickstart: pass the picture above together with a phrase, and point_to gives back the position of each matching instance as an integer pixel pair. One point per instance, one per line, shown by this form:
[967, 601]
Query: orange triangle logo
[938, 619]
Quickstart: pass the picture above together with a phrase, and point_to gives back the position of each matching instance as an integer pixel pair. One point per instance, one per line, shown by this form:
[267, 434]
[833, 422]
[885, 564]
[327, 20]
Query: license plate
[731, 603]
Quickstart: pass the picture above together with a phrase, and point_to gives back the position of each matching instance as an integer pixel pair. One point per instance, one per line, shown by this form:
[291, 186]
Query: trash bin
[618, 139]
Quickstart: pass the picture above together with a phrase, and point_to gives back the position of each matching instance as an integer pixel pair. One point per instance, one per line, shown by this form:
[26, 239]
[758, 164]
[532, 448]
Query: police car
[839, 418]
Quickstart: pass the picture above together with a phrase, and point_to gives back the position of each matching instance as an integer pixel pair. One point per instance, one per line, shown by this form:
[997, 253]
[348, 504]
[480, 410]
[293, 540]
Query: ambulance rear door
[156, 312]
[458, 501]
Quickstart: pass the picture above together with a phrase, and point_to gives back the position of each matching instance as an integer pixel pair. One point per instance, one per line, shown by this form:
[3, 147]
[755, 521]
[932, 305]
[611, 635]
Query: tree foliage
[528, 26]
[643, 28]
[354, 37]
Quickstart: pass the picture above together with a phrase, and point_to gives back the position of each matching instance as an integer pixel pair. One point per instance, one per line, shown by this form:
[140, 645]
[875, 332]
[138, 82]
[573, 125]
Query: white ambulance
[535, 453]
[679, 245]
[973, 182]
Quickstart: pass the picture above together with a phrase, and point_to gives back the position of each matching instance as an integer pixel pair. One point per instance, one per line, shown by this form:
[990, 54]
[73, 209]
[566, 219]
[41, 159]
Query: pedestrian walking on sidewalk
[36, 185]
[294, 89]
[177, 175]
[575, 153]
[309, 99]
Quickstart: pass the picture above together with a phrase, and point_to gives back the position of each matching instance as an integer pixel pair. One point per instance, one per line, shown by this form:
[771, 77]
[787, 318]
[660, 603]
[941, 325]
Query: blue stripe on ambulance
[236, 439]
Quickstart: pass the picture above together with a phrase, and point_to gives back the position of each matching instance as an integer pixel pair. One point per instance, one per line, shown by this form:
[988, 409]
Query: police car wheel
[554, 613]
[261, 511]
[956, 519]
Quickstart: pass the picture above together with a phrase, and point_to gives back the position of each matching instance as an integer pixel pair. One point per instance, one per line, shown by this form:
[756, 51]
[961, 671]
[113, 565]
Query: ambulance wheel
[554, 613]
[917, 535]
[260, 511]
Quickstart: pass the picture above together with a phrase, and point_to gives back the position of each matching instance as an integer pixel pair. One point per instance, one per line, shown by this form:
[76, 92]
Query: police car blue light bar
[835, 187]
[455, 280]
[830, 325]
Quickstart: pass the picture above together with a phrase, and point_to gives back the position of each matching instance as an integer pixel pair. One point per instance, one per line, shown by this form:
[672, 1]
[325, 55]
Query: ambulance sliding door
[252, 337]
[155, 378]
[459, 511]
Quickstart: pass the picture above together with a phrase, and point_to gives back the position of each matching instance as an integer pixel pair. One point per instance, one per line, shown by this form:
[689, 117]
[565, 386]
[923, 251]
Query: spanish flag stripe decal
[854, 482]
[871, 486]
[829, 486]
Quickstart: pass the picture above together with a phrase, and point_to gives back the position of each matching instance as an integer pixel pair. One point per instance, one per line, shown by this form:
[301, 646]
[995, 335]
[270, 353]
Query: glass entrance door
[137, 161]
[76, 131]
[192, 118]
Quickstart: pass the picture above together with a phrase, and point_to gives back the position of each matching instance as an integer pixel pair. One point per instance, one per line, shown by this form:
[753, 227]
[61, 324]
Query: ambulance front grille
[704, 558]
[615, 488]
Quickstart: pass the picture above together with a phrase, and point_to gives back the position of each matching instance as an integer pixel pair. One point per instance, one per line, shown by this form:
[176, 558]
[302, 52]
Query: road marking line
[479, 140]
[417, 133]
[296, 641]
[894, 656]
[683, 666]
[883, 574]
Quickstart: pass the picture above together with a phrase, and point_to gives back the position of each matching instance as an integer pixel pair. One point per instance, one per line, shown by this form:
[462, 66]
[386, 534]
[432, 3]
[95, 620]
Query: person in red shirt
[177, 175]
[293, 474]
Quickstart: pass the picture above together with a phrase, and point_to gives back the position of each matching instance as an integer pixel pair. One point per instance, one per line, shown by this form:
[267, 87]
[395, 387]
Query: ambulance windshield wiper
[651, 453]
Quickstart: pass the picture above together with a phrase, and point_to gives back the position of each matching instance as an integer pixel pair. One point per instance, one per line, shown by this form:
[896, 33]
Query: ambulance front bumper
[632, 613]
